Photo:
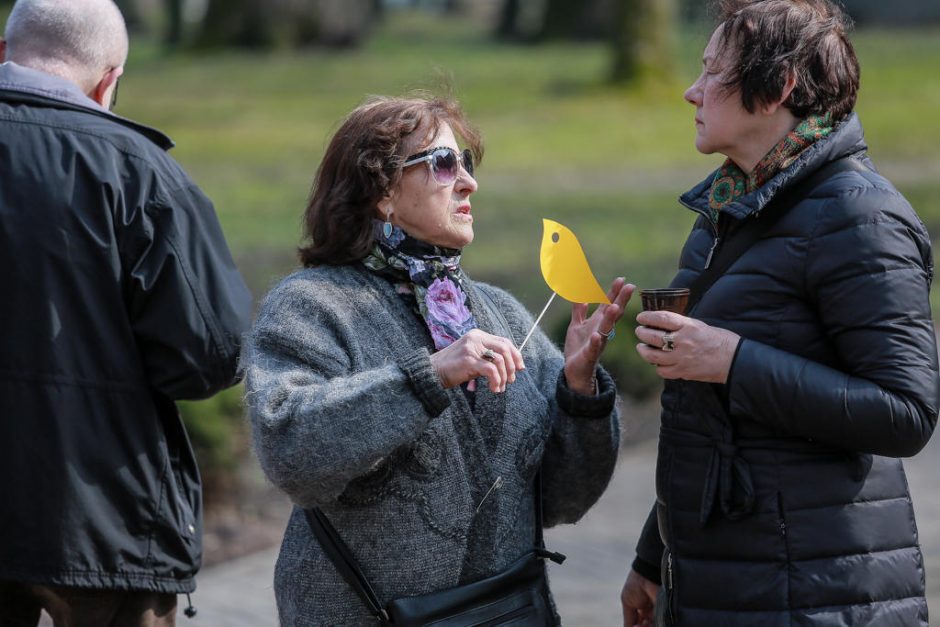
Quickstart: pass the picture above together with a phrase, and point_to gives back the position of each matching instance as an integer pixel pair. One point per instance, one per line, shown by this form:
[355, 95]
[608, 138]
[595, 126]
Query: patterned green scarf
[731, 182]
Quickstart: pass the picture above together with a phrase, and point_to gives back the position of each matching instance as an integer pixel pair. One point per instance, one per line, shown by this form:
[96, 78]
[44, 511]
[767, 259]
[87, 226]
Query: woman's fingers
[653, 337]
[619, 294]
[504, 357]
[666, 320]
[615, 288]
[623, 295]
[479, 354]
[498, 384]
[578, 313]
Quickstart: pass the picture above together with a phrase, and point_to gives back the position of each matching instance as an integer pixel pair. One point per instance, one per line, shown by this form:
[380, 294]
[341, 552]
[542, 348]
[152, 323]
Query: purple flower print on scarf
[448, 315]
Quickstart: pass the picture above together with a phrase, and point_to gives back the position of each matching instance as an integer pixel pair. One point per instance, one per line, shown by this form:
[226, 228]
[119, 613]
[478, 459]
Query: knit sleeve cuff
[425, 381]
[583, 406]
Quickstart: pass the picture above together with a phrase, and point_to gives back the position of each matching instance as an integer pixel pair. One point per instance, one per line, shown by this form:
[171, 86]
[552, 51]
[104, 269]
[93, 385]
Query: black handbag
[516, 596]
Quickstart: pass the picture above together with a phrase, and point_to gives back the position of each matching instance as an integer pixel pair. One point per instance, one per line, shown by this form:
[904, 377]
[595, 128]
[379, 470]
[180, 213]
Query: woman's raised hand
[478, 354]
[587, 336]
[685, 348]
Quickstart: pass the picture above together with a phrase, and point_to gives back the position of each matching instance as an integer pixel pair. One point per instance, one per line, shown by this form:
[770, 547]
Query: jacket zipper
[715, 232]
[670, 587]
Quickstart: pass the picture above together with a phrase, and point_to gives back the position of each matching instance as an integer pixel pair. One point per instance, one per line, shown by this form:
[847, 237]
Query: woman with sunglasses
[385, 387]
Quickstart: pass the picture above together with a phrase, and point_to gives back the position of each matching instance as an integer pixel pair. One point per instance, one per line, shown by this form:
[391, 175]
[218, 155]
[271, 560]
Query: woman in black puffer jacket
[806, 370]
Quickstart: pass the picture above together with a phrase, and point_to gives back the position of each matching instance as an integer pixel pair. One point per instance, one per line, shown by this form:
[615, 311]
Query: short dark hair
[765, 41]
[362, 164]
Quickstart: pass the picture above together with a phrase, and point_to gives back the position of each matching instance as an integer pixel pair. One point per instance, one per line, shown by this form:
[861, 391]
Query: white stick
[537, 320]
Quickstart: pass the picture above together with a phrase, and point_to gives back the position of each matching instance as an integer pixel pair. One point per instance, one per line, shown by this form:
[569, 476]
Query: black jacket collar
[847, 138]
[24, 85]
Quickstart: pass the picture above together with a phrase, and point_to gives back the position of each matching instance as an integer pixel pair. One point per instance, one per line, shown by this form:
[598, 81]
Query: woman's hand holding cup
[681, 347]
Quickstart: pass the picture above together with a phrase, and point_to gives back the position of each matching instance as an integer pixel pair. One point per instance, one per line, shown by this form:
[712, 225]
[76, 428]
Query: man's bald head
[79, 40]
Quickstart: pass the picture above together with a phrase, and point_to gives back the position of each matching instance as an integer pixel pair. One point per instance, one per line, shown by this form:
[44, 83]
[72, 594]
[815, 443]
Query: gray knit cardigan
[347, 414]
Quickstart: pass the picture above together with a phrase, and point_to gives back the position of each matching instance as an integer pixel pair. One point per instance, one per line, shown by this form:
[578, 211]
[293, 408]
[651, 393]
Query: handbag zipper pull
[558, 558]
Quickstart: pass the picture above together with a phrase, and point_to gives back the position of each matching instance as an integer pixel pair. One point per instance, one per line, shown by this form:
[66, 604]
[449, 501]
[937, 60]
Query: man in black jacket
[120, 296]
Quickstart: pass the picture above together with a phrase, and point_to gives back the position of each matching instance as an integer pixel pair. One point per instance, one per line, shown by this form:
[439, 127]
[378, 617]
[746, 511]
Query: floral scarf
[730, 182]
[431, 274]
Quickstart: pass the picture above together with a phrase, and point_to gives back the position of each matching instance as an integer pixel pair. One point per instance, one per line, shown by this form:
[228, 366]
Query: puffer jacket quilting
[836, 378]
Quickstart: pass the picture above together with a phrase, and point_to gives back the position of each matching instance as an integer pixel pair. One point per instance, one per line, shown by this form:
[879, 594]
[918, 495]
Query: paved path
[599, 549]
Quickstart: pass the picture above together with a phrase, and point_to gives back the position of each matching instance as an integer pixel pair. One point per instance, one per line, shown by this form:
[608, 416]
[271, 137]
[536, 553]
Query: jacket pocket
[179, 533]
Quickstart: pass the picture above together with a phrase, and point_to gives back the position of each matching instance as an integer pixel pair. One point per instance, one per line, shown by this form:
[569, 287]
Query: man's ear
[3, 50]
[101, 93]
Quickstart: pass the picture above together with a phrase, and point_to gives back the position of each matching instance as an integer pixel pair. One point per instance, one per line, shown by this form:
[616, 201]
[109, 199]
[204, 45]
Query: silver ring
[669, 342]
[488, 355]
[609, 335]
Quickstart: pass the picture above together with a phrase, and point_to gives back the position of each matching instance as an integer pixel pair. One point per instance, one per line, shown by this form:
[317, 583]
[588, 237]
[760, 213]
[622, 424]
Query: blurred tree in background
[642, 32]
[290, 23]
[644, 39]
[174, 23]
[508, 25]
[131, 12]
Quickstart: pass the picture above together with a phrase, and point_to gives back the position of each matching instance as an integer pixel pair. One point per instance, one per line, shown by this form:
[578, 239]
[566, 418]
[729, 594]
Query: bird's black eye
[555, 237]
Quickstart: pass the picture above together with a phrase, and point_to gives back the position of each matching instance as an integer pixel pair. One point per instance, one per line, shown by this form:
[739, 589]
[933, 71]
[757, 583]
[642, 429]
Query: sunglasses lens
[467, 158]
[444, 166]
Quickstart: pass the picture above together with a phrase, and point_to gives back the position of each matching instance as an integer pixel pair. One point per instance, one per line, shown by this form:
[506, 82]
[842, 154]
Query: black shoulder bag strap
[344, 561]
[754, 227]
[347, 566]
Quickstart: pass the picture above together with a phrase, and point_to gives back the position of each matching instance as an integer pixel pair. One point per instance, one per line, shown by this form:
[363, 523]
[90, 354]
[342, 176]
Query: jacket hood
[847, 138]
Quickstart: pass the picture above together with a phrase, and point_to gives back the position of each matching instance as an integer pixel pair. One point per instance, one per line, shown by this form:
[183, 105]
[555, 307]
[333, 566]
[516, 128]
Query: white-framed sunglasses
[445, 162]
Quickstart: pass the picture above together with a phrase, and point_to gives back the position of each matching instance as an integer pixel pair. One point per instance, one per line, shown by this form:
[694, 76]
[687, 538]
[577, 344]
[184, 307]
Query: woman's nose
[465, 184]
[693, 94]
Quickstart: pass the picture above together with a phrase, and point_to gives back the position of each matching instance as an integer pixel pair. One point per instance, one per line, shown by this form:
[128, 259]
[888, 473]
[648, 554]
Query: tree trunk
[131, 15]
[508, 26]
[174, 23]
[344, 23]
[240, 23]
[453, 7]
[560, 16]
[643, 40]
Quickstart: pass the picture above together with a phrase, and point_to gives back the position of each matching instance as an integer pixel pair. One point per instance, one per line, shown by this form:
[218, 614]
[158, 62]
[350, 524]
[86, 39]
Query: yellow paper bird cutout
[565, 268]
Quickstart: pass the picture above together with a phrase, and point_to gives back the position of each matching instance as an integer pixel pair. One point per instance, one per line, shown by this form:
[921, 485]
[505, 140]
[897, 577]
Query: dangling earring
[387, 227]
